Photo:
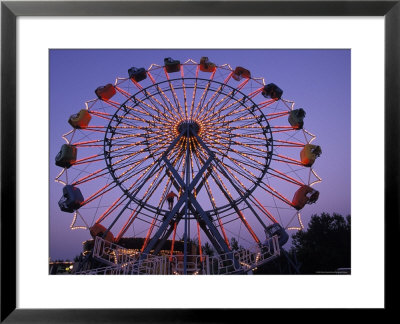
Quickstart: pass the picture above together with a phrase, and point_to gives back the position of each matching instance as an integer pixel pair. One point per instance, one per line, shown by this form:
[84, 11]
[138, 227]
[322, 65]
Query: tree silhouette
[234, 244]
[325, 245]
[208, 249]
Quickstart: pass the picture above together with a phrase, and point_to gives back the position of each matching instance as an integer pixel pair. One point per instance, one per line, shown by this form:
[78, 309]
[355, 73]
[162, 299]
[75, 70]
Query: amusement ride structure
[204, 167]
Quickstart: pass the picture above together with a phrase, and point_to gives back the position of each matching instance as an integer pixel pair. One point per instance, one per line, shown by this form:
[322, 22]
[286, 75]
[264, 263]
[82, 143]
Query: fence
[118, 261]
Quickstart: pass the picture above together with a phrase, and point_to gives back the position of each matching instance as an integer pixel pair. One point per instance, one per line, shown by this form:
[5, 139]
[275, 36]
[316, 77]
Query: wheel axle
[189, 126]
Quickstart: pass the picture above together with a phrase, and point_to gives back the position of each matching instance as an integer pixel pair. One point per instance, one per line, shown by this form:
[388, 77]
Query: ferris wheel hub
[188, 127]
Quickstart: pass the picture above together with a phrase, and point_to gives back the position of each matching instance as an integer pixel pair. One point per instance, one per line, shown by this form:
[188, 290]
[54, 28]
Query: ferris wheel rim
[254, 106]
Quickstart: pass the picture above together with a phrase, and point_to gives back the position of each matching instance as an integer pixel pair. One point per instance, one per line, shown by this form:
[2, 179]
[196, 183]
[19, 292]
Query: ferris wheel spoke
[123, 161]
[141, 139]
[154, 182]
[242, 164]
[229, 124]
[120, 150]
[228, 101]
[244, 118]
[132, 172]
[164, 97]
[175, 97]
[141, 107]
[127, 224]
[125, 136]
[211, 197]
[273, 116]
[91, 176]
[256, 139]
[212, 108]
[223, 171]
[148, 119]
[285, 159]
[275, 193]
[282, 130]
[203, 95]
[226, 124]
[150, 230]
[166, 116]
[82, 135]
[146, 141]
[83, 143]
[223, 113]
[132, 218]
[184, 93]
[253, 149]
[249, 157]
[209, 229]
[211, 104]
[154, 185]
[247, 203]
[240, 172]
[223, 188]
[245, 172]
[139, 103]
[220, 88]
[99, 193]
[242, 84]
[239, 186]
[229, 96]
[152, 167]
[194, 92]
[100, 114]
[95, 129]
[131, 164]
[262, 208]
[115, 205]
[256, 92]
[176, 163]
[283, 176]
[147, 146]
[266, 103]
[229, 197]
[288, 144]
[234, 105]
[110, 103]
[295, 172]
[123, 92]
[146, 175]
[89, 159]
[128, 159]
[154, 101]
[137, 106]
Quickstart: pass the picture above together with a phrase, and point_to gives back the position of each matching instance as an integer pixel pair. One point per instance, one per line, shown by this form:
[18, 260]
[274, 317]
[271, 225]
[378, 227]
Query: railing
[111, 253]
[238, 261]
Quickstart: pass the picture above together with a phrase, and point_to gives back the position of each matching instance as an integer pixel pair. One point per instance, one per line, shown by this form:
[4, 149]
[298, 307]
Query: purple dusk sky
[316, 80]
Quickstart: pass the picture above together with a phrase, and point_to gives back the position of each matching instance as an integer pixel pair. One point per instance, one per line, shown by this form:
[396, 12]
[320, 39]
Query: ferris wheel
[190, 152]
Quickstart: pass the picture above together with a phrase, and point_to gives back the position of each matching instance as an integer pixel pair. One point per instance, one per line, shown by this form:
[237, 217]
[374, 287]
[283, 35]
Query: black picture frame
[10, 10]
